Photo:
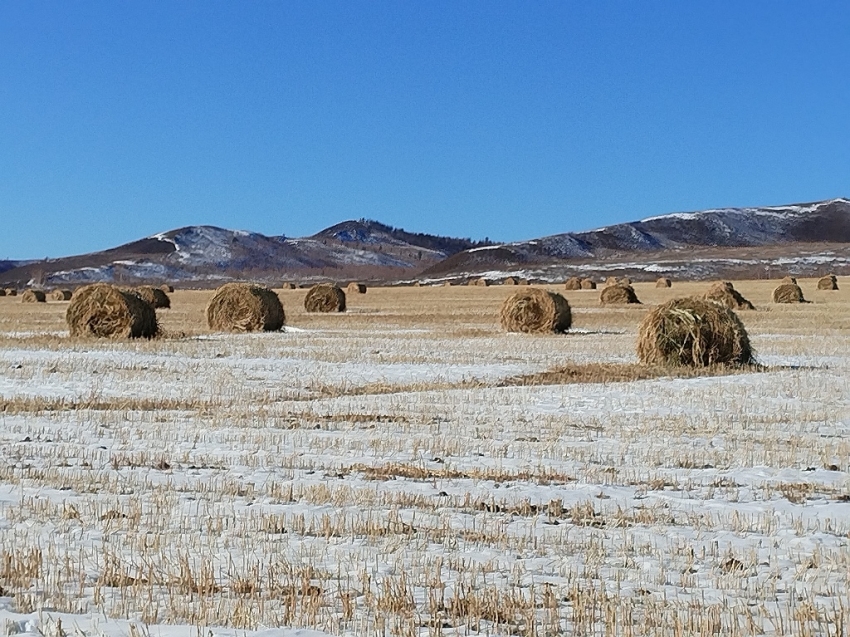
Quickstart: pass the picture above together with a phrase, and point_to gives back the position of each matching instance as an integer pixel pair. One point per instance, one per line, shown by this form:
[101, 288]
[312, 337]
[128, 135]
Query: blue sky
[503, 119]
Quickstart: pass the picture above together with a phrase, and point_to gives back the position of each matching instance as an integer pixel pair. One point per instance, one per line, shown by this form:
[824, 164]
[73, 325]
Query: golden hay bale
[618, 295]
[356, 288]
[11, 292]
[724, 292]
[693, 332]
[480, 282]
[573, 283]
[288, 286]
[60, 295]
[33, 296]
[104, 311]
[535, 311]
[588, 284]
[154, 297]
[625, 281]
[788, 293]
[829, 282]
[663, 282]
[611, 280]
[522, 282]
[509, 281]
[168, 289]
[325, 297]
[245, 307]
[789, 279]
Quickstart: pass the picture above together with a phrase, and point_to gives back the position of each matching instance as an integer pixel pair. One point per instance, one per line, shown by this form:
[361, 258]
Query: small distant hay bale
[11, 292]
[356, 288]
[245, 307]
[155, 297]
[536, 311]
[588, 284]
[828, 282]
[522, 282]
[447, 284]
[480, 282]
[288, 286]
[609, 281]
[625, 281]
[618, 295]
[789, 279]
[663, 282]
[573, 283]
[788, 293]
[724, 293]
[693, 332]
[33, 296]
[168, 289]
[104, 311]
[325, 297]
[61, 295]
[509, 281]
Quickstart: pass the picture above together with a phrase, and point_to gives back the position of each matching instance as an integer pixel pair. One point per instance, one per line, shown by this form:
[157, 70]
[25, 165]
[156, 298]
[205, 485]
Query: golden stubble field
[383, 472]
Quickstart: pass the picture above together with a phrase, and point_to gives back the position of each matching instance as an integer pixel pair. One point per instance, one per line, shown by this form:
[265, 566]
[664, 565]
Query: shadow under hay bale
[245, 307]
[724, 292]
[618, 295]
[154, 297]
[693, 332]
[788, 293]
[356, 288]
[165, 287]
[663, 282]
[828, 282]
[536, 311]
[588, 284]
[61, 295]
[33, 296]
[104, 311]
[325, 297]
[573, 283]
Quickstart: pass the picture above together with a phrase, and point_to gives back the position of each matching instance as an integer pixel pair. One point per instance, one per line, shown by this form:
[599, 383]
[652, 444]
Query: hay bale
[480, 282]
[788, 293]
[356, 288]
[288, 286]
[693, 332]
[168, 289]
[325, 297]
[789, 279]
[447, 284]
[625, 281]
[536, 311]
[829, 282]
[509, 281]
[618, 295]
[33, 296]
[663, 282]
[154, 297]
[573, 283]
[522, 282]
[588, 284]
[245, 307]
[104, 311]
[609, 281]
[60, 295]
[11, 292]
[724, 293]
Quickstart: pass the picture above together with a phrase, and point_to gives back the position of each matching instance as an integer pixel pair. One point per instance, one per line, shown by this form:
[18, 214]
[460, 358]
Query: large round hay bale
[33, 296]
[693, 332]
[828, 282]
[61, 295]
[618, 295]
[724, 292]
[788, 293]
[356, 288]
[536, 311]
[325, 297]
[588, 284]
[165, 287]
[104, 311]
[245, 307]
[11, 292]
[663, 282]
[789, 279]
[155, 297]
[573, 283]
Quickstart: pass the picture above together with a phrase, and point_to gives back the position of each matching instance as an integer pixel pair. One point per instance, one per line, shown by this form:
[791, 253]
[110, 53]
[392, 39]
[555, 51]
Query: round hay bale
[618, 295]
[829, 282]
[788, 293]
[789, 279]
[60, 295]
[573, 283]
[693, 332]
[609, 281]
[11, 292]
[522, 282]
[288, 286]
[663, 282]
[33, 296]
[480, 282]
[104, 311]
[724, 293]
[245, 307]
[356, 288]
[625, 281]
[165, 287]
[509, 281]
[325, 297]
[588, 284]
[535, 311]
[155, 297]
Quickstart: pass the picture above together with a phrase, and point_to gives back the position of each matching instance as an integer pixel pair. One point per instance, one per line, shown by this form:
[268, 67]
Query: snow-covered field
[371, 473]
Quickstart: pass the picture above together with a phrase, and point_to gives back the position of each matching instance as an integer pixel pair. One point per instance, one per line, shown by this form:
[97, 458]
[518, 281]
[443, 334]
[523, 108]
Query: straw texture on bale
[723, 292]
[33, 296]
[828, 282]
[154, 297]
[536, 311]
[165, 287]
[325, 297]
[11, 292]
[663, 282]
[60, 295]
[789, 279]
[693, 332]
[245, 307]
[618, 295]
[357, 288]
[788, 293]
[104, 311]
[588, 284]
[573, 283]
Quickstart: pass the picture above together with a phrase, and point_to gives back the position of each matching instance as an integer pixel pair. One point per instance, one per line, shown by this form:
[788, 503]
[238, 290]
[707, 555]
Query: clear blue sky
[477, 118]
